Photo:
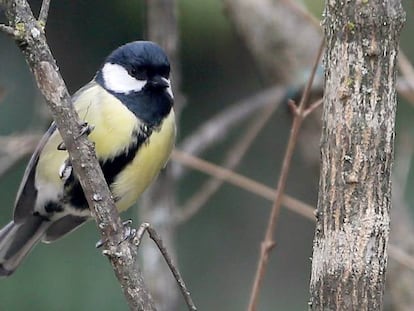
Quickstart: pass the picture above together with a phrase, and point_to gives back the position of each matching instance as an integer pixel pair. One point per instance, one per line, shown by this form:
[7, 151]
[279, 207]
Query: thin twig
[257, 188]
[242, 182]
[81, 153]
[8, 30]
[268, 242]
[301, 11]
[214, 130]
[401, 256]
[233, 158]
[158, 241]
[404, 89]
[14, 147]
[406, 68]
[44, 12]
[312, 107]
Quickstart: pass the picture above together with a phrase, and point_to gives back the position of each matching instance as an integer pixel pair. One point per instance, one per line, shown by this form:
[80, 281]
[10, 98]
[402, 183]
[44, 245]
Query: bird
[128, 107]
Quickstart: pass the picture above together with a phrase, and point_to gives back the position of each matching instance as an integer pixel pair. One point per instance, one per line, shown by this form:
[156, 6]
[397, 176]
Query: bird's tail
[16, 241]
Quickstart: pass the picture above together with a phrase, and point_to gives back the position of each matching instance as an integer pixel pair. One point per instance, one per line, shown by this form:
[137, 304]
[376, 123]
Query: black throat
[150, 105]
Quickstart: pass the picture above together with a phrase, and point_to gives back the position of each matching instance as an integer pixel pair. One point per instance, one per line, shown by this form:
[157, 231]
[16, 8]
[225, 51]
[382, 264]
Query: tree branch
[146, 227]
[233, 158]
[44, 12]
[299, 113]
[122, 255]
[9, 31]
[215, 129]
[14, 147]
[301, 208]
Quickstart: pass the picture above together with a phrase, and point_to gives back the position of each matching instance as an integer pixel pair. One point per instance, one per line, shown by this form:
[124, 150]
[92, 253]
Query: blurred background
[229, 53]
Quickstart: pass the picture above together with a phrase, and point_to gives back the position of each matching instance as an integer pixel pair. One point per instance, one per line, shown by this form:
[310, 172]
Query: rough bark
[30, 37]
[351, 237]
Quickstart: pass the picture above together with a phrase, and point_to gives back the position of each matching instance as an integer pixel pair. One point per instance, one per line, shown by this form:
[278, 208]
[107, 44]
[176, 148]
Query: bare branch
[82, 156]
[242, 182]
[13, 148]
[9, 30]
[302, 12]
[282, 41]
[158, 241]
[252, 186]
[406, 69]
[405, 90]
[312, 107]
[268, 242]
[234, 156]
[44, 12]
[215, 129]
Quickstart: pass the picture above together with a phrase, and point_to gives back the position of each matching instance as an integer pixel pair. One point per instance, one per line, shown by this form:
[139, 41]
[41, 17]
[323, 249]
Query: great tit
[129, 105]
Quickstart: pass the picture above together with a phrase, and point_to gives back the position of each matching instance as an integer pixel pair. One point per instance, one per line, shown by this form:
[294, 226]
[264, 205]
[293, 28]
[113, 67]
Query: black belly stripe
[111, 168]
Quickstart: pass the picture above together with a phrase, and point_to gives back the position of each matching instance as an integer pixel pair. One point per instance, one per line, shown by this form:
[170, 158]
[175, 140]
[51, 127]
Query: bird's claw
[86, 129]
[128, 234]
[61, 146]
[65, 170]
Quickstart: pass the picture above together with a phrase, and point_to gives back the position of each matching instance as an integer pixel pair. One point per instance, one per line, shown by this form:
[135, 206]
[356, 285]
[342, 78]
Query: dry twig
[44, 12]
[14, 147]
[215, 129]
[122, 255]
[146, 227]
[234, 156]
[299, 113]
[255, 187]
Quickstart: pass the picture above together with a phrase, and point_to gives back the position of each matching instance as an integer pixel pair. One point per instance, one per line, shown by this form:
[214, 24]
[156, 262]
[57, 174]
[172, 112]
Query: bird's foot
[128, 234]
[65, 170]
[86, 129]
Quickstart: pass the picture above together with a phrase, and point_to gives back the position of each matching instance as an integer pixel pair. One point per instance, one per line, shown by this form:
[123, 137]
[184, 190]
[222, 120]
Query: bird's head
[139, 66]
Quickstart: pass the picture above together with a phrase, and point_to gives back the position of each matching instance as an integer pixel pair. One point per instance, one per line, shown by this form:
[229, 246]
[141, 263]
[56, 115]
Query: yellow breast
[114, 125]
[149, 160]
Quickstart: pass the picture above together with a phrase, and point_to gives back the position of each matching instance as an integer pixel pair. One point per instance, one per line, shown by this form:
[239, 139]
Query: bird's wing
[27, 193]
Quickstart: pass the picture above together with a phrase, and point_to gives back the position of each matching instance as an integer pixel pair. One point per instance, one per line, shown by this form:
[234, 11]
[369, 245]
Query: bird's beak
[159, 82]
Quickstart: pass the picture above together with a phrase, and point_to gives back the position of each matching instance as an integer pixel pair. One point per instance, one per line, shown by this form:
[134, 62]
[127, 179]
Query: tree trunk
[349, 256]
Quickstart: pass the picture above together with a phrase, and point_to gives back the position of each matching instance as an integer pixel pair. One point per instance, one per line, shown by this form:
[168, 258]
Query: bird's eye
[139, 73]
[132, 72]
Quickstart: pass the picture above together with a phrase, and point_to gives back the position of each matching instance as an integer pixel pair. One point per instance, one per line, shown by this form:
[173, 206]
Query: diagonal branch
[301, 208]
[268, 243]
[44, 12]
[215, 129]
[14, 147]
[9, 30]
[234, 156]
[122, 255]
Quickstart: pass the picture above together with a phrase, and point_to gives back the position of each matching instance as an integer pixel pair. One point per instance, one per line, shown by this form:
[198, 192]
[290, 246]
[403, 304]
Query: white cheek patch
[117, 79]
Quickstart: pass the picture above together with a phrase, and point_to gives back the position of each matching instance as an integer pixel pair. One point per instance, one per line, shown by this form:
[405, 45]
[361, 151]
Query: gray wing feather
[62, 227]
[27, 193]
